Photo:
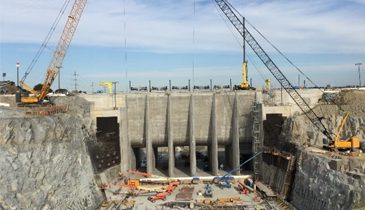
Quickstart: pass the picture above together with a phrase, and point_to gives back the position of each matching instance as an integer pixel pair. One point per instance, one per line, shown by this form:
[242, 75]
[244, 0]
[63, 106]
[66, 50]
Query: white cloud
[167, 26]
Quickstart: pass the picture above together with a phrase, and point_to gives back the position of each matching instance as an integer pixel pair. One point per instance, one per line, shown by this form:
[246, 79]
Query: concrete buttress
[213, 147]
[149, 148]
[125, 146]
[170, 140]
[235, 138]
[192, 144]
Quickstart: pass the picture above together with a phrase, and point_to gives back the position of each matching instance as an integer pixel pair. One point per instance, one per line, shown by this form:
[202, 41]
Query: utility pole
[59, 76]
[75, 81]
[92, 87]
[359, 68]
[115, 94]
[281, 95]
[17, 65]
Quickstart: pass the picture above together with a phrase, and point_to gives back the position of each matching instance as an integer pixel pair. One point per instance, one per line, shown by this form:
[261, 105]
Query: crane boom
[62, 47]
[60, 51]
[272, 67]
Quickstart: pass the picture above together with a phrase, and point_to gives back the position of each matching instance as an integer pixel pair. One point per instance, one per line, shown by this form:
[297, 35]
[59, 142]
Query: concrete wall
[287, 107]
[8, 100]
[104, 101]
[180, 108]
[152, 120]
[311, 96]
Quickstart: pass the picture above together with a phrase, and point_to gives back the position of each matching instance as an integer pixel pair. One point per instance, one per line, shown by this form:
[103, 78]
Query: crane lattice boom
[275, 71]
[62, 47]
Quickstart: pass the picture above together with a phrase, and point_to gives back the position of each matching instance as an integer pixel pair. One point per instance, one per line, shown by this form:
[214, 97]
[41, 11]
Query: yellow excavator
[57, 58]
[337, 142]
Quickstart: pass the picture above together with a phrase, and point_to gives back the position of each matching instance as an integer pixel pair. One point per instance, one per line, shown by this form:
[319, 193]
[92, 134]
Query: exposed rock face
[322, 181]
[326, 180]
[44, 163]
[300, 131]
[329, 183]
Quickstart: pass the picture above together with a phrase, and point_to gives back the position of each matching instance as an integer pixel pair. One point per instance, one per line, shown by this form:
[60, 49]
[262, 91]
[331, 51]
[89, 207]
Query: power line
[272, 45]
[193, 57]
[92, 87]
[125, 43]
[75, 81]
[239, 42]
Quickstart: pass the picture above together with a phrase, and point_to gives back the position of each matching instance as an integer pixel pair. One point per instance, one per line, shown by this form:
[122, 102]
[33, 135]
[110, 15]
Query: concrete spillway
[213, 119]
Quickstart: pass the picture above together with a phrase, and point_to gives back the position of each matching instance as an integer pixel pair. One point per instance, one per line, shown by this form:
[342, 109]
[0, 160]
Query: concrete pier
[150, 153]
[170, 140]
[124, 141]
[235, 138]
[192, 144]
[213, 146]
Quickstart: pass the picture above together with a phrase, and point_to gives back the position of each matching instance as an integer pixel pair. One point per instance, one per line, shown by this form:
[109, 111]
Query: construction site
[231, 146]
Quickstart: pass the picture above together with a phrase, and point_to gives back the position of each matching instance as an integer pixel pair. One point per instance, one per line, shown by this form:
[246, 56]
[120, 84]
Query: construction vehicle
[239, 25]
[133, 182]
[225, 180]
[109, 85]
[57, 58]
[244, 85]
[338, 143]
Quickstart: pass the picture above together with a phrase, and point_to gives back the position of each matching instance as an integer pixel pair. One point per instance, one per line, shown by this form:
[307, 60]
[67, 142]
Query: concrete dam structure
[149, 121]
[84, 156]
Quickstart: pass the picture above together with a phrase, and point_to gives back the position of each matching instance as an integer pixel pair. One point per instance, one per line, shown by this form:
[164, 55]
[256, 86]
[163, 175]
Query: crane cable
[239, 43]
[125, 45]
[46, 40]
[286, 58]
[193, 57]
[277, 49]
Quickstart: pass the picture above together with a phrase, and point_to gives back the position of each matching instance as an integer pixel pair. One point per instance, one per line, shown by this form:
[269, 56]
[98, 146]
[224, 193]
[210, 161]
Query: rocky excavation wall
[300, 131]
[44, 163]
[329, 183]
[325, 180]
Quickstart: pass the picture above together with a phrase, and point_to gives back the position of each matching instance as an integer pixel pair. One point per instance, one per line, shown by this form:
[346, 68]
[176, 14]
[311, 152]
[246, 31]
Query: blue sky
[323, 37]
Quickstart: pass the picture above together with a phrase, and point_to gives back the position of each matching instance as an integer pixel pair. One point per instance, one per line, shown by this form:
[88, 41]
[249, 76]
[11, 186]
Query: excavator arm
[272, 67]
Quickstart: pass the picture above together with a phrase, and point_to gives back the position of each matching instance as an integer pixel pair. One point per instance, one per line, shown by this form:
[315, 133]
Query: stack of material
[185, 194]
